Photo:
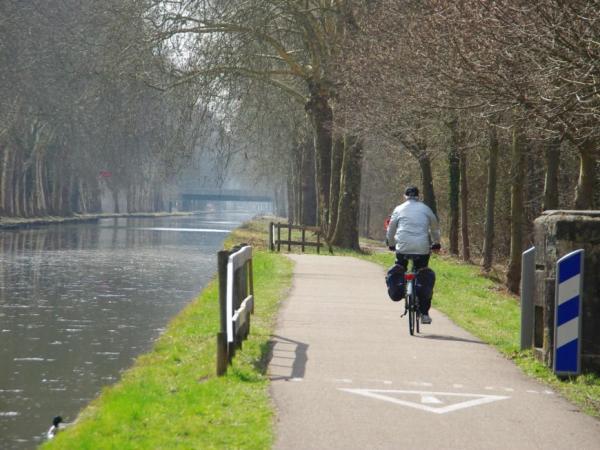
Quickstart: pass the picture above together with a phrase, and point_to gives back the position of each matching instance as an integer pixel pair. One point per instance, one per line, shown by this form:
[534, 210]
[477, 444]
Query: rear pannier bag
[395, 282]
[425, 283]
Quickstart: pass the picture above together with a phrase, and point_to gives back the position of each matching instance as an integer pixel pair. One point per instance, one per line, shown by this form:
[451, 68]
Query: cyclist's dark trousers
[419, 262]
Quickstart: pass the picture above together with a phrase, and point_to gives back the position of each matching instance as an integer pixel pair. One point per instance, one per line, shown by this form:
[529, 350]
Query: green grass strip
[483, 308]
[171, 397]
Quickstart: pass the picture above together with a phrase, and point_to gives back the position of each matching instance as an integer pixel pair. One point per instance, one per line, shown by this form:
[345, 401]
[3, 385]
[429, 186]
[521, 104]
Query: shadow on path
[288, 358]
[438, 337]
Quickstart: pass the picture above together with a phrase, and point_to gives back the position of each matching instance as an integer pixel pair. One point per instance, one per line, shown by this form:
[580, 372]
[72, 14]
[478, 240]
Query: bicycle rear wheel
[412, 315]
[417, 315]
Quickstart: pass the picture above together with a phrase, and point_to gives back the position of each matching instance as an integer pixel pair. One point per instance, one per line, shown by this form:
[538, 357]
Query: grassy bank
[171, 397]
[483, 308]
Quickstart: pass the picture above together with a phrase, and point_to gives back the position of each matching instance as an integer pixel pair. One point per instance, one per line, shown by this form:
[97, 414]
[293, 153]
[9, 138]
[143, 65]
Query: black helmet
[411, 191]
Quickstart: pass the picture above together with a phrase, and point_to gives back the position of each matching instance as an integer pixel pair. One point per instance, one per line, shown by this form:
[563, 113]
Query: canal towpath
[346, 374]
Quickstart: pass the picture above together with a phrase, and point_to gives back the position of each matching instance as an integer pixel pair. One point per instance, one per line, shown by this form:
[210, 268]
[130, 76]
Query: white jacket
[413, 227]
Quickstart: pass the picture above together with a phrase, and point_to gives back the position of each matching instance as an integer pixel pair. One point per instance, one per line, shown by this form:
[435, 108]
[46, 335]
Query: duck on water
[54, 428]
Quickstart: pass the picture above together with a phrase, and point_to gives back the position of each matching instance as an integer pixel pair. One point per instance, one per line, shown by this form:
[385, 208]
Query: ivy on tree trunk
[346, 232]
[490, 199]
[513, 276]
[453, 188]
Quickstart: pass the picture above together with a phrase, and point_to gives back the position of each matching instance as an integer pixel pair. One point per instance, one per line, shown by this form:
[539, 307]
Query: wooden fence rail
[236, 301]
[275, 241]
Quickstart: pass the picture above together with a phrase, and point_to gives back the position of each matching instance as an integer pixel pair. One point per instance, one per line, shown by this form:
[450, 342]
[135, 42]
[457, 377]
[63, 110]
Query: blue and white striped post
[567, 315]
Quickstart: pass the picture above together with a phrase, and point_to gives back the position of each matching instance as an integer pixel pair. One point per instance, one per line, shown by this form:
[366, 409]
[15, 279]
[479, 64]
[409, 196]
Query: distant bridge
[225, 195]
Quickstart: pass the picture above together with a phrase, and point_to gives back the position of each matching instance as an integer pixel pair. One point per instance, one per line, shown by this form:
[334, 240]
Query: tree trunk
[552, 157]
[83, 199]
[115, 194]
[17, 174]
[365, 222]
[97, 196]
[490, 200]
[295, 185]
[75, 196]
[346, 232]
[39, 182]
[597, 184]
[464, 207]
[281, 201]
[6, 187]
[52, 188]
[453, 189]
[584, 198]
[322, 117]
[427, 179]
[291, 191]
[133, 197]
[513, 276]
[23, 197]
[309, 190]
[337, 156]
[128, 201]
[59, 191]
[3, 149]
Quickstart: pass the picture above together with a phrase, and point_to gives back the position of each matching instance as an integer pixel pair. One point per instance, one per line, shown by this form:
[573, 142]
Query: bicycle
[411, 301]
[412, 305]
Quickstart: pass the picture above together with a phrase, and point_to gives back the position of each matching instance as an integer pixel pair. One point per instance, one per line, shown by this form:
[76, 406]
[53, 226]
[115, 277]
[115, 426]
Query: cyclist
[415, 230]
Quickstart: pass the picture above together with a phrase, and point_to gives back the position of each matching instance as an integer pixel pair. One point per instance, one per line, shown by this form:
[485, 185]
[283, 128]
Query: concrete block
[557, 233]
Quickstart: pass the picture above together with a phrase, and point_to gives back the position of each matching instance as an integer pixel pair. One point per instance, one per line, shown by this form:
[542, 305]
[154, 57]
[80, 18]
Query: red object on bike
[409, 276]
[386, 222]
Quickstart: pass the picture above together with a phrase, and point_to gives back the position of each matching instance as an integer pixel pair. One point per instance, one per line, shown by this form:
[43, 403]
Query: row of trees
[491, 106]
[276, 61]
[485, 100]
[505, 88]
[493, 103]
[77, 112]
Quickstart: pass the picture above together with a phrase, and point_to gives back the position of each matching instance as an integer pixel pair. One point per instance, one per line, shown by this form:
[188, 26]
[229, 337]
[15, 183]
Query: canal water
[78, 302]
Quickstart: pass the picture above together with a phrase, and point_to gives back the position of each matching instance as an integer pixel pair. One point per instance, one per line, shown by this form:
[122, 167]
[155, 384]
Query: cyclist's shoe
[425, 319]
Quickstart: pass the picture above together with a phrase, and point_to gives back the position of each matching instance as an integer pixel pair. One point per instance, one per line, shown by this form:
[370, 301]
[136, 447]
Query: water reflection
[79, 302]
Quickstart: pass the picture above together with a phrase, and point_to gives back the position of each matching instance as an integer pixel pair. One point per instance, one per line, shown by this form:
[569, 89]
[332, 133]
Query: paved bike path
[346, 375]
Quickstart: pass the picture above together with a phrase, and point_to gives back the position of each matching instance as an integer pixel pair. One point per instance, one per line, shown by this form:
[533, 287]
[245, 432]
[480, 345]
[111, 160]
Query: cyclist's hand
[436, 248]
[392, 248]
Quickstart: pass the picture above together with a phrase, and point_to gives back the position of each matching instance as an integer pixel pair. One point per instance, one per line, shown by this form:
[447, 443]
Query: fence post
[222, 346]
[235, 304]
[242, 275]
[278, 237]
[289, 237]
[318, 243]
[527, 292]
[251, 282]
[303, 238]
[271, 246]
